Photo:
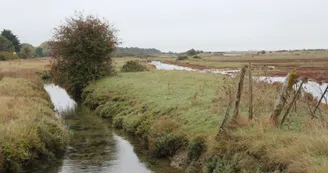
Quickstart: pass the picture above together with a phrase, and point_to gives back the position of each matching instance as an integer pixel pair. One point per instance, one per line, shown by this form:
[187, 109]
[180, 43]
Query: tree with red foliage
[82, 50]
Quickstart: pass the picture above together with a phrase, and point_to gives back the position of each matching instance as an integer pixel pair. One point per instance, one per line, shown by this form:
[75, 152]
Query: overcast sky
[178, 25]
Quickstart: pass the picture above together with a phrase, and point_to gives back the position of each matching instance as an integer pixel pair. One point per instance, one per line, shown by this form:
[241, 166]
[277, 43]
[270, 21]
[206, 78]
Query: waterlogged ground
[316, 89]
[94, 146]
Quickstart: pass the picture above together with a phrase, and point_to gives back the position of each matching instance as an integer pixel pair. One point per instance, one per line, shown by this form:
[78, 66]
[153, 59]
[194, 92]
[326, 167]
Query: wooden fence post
[282, 98]
[319, 102]
[293, 101]
[250, 92]
[238, 93]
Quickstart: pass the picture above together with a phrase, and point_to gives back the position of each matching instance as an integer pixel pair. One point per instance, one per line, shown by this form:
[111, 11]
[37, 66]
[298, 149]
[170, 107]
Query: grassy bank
[30, 132]
[177, 115]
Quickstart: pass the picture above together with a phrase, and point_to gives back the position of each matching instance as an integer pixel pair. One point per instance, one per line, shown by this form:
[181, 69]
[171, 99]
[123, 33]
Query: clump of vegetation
[8, 56]
[27, 51]
[82, 49]
[218, 165]
[166, 145]
[182, 57]
[197, 57]
[133, 66]
[195, 148]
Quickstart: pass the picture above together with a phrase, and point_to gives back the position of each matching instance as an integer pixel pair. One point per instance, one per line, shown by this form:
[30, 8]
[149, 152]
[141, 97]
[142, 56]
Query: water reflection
[60, 99]
[93, 145]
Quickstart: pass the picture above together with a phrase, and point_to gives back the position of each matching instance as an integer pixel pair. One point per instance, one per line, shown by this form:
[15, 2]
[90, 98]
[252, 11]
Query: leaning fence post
[226, 116]
[293, 101]
[319, 102]
[238, 93]
[282, 97]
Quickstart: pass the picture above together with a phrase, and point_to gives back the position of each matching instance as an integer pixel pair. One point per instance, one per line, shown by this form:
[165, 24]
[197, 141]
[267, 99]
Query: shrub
[133, 66]
[27, 51]
[167, 145]
[182, 57]
[217, 165]
[197, 57]
[165, 137]
[195, 148]
[8, 56]
[82, 49]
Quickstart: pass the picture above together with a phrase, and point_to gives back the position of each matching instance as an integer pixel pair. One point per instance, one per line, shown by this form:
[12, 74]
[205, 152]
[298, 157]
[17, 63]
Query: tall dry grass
[29, 128]
[24, 68]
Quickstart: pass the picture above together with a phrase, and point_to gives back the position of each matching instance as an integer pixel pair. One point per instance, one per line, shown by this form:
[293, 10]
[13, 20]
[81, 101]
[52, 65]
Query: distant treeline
[137, 50]
[301, 50]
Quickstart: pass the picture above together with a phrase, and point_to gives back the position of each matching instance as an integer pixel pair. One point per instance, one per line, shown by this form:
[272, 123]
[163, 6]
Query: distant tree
[6, 45]
[38, 52]
[27, 51]
[46, 49]
[13, 38]
[191, 52]
[82, 48]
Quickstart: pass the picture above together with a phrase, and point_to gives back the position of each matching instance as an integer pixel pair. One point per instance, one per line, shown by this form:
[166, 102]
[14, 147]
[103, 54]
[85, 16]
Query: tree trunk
[281, 100]
[250, 92]
[238, 93]
[293, 101]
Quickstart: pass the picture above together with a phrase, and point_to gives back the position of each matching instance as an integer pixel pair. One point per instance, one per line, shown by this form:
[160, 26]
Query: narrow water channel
[94, 146]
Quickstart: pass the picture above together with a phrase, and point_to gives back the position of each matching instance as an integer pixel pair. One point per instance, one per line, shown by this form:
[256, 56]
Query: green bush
[182, 57]
[195, 148]
[8, 56]
[197, 57]
[167, 145]
[133, 66]
[218, 165]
